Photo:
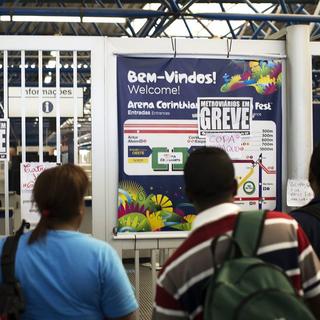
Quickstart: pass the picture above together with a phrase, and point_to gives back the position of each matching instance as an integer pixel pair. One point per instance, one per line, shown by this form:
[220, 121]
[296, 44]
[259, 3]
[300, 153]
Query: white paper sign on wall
[299, 192]
[29, 173]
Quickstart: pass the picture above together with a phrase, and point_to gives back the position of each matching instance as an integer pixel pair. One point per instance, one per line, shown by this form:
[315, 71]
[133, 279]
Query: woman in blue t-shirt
[65, 274]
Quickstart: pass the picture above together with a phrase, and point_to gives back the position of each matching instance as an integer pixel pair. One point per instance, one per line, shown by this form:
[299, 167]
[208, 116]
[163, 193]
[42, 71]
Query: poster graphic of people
[168, 107]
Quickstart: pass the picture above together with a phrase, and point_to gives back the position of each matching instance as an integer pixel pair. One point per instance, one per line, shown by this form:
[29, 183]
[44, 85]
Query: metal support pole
[137, 277]
[228, 22]
[154, 271]
[299, 112]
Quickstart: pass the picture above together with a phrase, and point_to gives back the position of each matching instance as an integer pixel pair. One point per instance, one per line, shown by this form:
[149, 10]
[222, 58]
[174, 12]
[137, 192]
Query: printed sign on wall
[4, 139]
[29, 173]
[49, 102]
[168, 107]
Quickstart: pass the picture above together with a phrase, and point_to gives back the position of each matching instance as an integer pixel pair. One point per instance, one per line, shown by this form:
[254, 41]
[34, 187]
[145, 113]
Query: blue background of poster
[169, 185]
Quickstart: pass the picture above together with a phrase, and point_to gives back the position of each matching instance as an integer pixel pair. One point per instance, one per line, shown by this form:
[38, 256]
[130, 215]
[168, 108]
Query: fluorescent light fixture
[51, 64]
[47, 79]
[103, 19]
[5, 18]
[46, 18]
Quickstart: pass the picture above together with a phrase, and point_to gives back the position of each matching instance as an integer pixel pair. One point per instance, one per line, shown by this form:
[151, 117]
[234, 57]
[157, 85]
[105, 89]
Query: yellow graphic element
[266, 80]
[245, 178]
[135, 190]
[234, 79]
[138, 160]
[132, 221]
[154, 220]
[163, 201]
[254, 66]
[122, 198]
[189, 218]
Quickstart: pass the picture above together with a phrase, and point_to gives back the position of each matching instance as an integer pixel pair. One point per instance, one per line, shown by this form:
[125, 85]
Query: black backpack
[11, 299]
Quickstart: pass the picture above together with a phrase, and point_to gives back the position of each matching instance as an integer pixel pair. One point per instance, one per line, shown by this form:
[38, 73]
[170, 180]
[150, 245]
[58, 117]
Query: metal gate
[51, 93]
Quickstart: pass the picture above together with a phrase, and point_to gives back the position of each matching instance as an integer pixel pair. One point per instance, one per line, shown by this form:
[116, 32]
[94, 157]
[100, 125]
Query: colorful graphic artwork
[264, 76]
[138, 211]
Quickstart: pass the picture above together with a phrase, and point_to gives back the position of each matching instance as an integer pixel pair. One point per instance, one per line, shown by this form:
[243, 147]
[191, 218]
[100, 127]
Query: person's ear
[82, 209]
[235, 188]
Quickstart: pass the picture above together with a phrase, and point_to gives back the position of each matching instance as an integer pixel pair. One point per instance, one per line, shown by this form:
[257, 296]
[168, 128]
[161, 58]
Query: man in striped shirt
[211, 186]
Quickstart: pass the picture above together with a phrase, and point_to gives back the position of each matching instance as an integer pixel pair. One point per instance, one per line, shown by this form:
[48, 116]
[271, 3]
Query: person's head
[209, 177]
[58, 194]
[314, 170]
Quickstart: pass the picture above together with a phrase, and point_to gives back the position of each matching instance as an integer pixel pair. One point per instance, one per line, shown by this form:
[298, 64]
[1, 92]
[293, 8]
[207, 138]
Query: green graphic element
[156, 166]
[134, 222]
[185, 154]
[249, 187]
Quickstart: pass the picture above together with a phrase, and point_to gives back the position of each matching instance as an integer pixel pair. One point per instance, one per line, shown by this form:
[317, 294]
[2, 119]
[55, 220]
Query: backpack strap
[9, 253]
[248, 230]
[311, 209]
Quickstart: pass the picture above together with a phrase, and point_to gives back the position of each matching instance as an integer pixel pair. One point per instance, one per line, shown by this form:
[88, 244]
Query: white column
[299, 99]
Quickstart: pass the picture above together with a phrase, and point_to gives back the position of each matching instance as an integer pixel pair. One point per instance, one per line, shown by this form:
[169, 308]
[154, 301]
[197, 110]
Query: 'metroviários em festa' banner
[169, 106]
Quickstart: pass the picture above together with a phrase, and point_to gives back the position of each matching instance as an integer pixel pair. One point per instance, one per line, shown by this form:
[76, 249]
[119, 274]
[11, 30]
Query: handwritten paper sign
[29, 173]
[299, 192]
[4, 140]
[230, 142]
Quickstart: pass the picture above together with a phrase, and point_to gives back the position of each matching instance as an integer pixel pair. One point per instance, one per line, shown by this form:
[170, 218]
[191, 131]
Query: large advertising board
[169, 106]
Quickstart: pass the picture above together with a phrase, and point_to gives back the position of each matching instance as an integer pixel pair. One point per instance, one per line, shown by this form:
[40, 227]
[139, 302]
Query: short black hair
[209, 174]
[314, 168]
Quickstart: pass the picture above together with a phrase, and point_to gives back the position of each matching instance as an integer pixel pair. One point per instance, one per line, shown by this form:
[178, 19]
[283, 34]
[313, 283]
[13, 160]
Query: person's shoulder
[22, 240]
[305, 218]
[94, 242]
[277, 221]
[273, 214]
[278, 217]
[190, 246]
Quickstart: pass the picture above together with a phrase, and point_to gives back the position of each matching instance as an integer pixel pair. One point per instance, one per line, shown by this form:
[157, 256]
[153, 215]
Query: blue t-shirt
[68, 275]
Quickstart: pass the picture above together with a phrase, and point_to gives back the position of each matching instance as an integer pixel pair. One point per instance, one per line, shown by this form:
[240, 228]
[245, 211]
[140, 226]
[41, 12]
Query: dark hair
[58, 194]
[314, 168]
[209, 175]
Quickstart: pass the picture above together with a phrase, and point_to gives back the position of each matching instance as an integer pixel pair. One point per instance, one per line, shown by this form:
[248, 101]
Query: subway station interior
[128, 89]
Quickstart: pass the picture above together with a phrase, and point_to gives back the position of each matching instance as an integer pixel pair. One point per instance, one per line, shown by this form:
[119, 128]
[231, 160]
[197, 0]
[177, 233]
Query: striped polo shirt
[181, 283]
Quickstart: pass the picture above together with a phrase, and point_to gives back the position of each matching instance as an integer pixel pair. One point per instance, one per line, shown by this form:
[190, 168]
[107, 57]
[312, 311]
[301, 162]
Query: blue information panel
[169, 106]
